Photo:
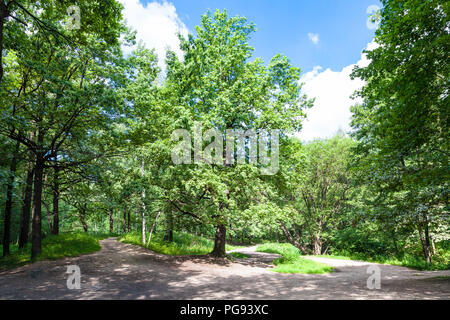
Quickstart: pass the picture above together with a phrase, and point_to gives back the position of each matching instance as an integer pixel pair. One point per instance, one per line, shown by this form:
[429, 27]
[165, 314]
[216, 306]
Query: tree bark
[425, 241]
[317, 244]
[169, 231]
[124, 222]
[9, 202]
[427, 247]
[111, 220]
[26, 208]
[294, 242]
[143, 204]
[83, 218]
[129, 220]
[55, 229]
[220, 241]
[36, 228]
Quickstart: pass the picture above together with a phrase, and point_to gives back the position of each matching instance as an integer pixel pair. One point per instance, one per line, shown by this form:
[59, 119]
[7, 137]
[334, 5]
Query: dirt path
[122, 271]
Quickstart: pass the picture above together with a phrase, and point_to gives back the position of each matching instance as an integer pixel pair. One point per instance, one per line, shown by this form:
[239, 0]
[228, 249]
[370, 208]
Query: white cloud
[332, 90]
[157, 25]
[314, 37]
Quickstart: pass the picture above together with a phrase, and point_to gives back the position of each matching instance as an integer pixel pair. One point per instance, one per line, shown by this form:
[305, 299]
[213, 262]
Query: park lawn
[291, 260]
[183, 243]
[439, 262]
[53, 247]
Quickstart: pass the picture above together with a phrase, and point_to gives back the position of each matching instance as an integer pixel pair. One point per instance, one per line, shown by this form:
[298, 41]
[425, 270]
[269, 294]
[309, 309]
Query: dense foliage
[87, 140]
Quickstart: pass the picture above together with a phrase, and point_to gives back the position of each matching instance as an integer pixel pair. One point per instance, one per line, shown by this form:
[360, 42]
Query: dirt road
[122, 271]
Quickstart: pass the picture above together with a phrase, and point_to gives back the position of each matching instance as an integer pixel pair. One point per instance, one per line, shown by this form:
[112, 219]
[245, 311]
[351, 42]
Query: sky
[325, 38]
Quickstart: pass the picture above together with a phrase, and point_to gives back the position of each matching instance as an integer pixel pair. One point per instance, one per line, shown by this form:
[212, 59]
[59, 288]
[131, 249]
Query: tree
[217, 86]
[60, 84]
[402, 124]
[314, 192]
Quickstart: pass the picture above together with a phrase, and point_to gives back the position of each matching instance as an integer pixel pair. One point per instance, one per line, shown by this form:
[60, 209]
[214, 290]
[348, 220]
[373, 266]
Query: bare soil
[123, 271]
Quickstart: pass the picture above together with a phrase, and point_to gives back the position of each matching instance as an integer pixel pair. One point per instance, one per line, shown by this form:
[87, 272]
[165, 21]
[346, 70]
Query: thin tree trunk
[36, 228]
[55, 229]
[169, 231]
[317, 244]
[296, 243]
[9, 202]
[124, 222]
[26, 208]
[153, 227]
[433, 246]
[111, 220]
[427, 247]
[220, 241]
[129, 220]
[425, 244]
[83, 218]
[143, 205]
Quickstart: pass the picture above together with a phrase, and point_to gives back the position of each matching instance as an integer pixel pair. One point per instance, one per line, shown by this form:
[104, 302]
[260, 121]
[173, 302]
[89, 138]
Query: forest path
[124, 271]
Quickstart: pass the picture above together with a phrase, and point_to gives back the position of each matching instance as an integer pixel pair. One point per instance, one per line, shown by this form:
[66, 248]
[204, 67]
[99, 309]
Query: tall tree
[402, 125]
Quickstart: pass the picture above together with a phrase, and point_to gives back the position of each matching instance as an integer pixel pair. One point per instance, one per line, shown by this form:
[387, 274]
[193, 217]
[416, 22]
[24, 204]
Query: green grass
[439, 262]
[331, 257]
[183, 243]
[291, 260]
[54, 247]
[239, 255]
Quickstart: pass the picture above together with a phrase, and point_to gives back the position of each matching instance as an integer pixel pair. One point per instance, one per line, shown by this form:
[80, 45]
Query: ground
[124, 271]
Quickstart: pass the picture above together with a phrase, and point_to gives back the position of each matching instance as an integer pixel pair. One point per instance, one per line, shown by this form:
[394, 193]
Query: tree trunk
[151, 230]
[169, 231]
[55, 229]
[129, 220]
[425, 240]
[220, 241]
[296, 243]
[317, 244]
[83, 218]
[36, 228]
[124, 222]
[427, 247]
[143, 205]
[433, 246]
[111, 220]
[9, 202]
[26, 208]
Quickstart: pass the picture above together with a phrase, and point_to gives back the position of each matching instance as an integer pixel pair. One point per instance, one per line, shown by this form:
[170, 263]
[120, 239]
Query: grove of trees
[86, 135]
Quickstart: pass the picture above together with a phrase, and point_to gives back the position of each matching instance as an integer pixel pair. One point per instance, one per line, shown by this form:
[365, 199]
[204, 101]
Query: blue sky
[283, 27]
[325, 38]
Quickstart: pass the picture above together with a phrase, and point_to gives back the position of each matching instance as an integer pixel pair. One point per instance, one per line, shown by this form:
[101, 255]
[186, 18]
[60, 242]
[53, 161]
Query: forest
[88, 137]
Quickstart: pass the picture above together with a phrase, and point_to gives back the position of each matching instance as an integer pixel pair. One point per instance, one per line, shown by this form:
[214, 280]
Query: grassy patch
[53, 247]
[183, 243]
[291, 260]
[439, 262]
[332, 257]
[239, 255]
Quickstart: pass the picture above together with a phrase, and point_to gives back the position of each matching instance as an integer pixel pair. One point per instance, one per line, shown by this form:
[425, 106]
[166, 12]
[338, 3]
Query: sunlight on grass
[54, 247]
[291, 260]
[183, 243]
[239, 255]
